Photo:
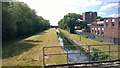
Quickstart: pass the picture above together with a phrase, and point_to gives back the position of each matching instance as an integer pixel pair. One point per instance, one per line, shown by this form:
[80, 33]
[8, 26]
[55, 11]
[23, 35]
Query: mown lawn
[28, 51]
[89, 41]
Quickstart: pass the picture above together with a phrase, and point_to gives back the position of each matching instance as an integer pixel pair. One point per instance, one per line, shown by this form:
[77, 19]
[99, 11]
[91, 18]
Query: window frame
[113, 22]
[106, 21]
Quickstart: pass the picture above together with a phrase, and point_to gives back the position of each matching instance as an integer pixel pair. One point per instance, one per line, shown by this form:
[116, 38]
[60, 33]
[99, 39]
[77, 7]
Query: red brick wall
[119, 33]
[111, 31]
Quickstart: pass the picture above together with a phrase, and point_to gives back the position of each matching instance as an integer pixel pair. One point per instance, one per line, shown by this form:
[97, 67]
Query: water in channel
[67, 46]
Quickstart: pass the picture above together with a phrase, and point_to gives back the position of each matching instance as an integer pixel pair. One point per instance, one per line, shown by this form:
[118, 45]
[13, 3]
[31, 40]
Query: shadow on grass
[9, 41]
[22, 67]
[42, 33]
[16, 46]
[16, 49]
[34, 41]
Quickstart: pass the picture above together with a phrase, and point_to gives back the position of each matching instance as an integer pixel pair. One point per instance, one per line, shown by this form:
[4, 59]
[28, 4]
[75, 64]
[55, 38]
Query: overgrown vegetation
[98, 55]
[19, 20]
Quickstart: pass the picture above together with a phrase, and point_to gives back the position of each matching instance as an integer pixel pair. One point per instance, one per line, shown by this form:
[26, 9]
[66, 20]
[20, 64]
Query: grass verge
[28, 51]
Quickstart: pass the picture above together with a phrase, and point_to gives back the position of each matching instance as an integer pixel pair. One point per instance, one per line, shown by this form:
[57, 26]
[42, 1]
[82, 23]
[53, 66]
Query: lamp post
[80, 36]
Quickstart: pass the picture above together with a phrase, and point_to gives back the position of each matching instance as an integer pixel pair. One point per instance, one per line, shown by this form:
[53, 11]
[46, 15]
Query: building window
[97, 25]
[101, 25]
[106, 23]
[95, 31]
[113, 22]
[92, 31]
[98, 32]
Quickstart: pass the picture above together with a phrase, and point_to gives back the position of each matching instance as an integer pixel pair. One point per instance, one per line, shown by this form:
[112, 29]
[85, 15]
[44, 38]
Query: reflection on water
[80, 57]
[76, 57]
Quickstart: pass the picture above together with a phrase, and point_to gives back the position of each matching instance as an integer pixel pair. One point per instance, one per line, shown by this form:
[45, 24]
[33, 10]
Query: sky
[54, 10]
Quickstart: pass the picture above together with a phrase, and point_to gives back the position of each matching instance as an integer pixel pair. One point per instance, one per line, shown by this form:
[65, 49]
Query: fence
[101, 38]
[89, 52]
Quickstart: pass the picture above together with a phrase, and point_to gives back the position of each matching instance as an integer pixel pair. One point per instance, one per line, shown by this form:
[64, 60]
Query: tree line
[19, 20]
[72, 20]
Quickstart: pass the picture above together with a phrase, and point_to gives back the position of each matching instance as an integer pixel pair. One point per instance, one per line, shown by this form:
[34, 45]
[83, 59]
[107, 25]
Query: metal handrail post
[89, 53]
[43, 58]
[109, 52]
[67, 57]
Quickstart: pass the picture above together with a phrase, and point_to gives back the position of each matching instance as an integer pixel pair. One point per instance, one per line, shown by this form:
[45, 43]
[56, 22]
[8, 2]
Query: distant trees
[70, 21]
[20, 20]
[98, 18]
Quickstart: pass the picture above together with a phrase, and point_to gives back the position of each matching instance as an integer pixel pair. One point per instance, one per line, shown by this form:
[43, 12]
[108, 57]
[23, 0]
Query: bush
[97, 55]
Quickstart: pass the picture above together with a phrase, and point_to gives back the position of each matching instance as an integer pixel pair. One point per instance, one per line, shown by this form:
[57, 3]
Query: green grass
[85, 40]
[28, 51]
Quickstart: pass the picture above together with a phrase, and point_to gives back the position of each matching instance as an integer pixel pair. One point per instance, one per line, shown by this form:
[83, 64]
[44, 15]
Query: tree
[8, 21]
[70, 21]
[81, 24]
[20, 20]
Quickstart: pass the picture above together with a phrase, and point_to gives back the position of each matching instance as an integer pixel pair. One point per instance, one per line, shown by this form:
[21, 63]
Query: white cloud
[100, 13]
[88, 3]
[109, 6]
[113, 15]
[54, 10]
[106, 1]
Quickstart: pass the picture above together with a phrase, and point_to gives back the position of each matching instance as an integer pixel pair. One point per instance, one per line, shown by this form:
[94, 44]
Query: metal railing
[88, 52]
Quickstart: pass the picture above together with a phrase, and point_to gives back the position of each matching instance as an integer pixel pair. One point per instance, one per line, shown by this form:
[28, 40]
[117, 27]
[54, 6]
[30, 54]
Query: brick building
[97, 28]
[112, 29]
[108, 28]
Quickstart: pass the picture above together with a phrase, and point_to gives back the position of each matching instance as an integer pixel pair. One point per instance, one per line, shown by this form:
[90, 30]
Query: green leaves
[70, 21]
[97, 55]
[20, 20]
